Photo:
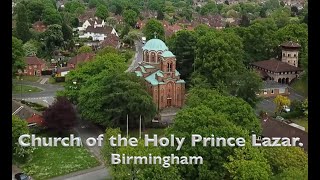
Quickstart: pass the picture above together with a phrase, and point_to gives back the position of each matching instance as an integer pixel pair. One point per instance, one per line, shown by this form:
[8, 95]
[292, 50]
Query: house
[88, 14]
[25, 112]
[275, 128]
[112, 40]
[80, 58]
[272, 89]
[98, 33]
[62, 71]
[283, 71]
[158, 69]
[39, 26]
[34, 66]
[119, 19]
[95, 22]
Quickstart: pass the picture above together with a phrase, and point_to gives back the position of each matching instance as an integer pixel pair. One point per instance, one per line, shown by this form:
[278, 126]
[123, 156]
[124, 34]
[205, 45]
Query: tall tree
[102, 11]
[245, 22]
[116, 95]
[84, 49]
[74, 6]
[17, 55]
[30, 48]
[280, 102]
[130, 17]
[183, 44]
[60, 116]
[51, 16]
[153, 26]
[66, 31]
[53, 37]
[22, 23]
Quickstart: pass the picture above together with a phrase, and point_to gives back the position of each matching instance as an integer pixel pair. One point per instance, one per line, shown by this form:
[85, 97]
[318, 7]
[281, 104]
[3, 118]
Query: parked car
[22, 176]
[286, 109]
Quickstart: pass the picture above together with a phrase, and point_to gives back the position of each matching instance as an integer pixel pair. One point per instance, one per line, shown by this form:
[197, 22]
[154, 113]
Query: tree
[111, 21]
[280, 102]
[272, 4]
[282, 158]
[305, 107]
[84, 49]
[153, 26]
[53, 37]
[60, 116]
[183, 44]
[51, 16]
[130, 17]
[248, 163]
[17, 55]
[204, 121]
[245, 22]
[294, 10]
[125, 30]
[30, 48]
[109, 62]
[239, 112]
[35, 10]
[102, 11]
[22, 23]
[19, 127]
[246, 85]
[209, 8]
[74, 7]
[67, 32]
[107, 98]
[281, 17]
[160, 14]
[293, 173]
[219, 57]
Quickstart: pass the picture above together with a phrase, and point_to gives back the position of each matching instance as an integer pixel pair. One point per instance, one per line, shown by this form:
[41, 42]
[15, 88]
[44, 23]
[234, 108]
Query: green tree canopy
[102, 11]
[53, 37]
[30, 48]
[22, 23]
[74, 6]
[116, 95]
[51, 16]
[17, 55]
[19, 127]
[130, 17]
[84, 49]
[153, 26]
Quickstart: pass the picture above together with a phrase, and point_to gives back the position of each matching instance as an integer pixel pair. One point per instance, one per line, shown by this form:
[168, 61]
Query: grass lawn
[301, 86]
[29, 78]
[48, 162]
[150, 132]
[302, 122]
[16, 89]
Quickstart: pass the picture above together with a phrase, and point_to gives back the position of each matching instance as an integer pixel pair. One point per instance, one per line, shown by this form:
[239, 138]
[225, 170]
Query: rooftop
[291, 44]
[167, 54]
[276, 66]
[33, 60]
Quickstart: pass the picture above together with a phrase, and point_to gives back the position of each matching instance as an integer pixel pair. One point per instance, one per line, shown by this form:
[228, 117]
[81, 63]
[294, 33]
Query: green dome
[167, 54]
[156, 45]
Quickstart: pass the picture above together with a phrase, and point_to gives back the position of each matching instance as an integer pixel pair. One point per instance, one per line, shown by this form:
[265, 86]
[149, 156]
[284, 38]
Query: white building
[96, 22]
[98, 33]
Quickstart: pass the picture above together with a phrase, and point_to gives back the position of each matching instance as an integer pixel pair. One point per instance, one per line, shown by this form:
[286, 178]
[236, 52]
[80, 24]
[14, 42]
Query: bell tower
[290, 53]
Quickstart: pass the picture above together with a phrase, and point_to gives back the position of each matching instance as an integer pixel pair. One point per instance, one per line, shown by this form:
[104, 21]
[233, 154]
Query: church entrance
[168, 102]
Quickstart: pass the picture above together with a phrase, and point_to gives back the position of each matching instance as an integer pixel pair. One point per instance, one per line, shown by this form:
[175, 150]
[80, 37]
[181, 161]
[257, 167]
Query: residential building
[80, 58]
[26, 113]
[272, 89]
[34, 66]
[98, 33]
[283, 71]
[158, 68]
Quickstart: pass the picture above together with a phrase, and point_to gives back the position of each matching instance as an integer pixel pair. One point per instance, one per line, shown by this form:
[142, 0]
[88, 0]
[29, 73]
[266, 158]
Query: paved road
[45, 97]
[137, 57]
[100, 174]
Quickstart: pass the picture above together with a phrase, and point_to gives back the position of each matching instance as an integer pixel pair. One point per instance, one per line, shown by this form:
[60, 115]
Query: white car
[286, 109]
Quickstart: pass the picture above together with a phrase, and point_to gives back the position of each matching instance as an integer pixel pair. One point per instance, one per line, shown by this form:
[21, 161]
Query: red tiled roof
[83, 57]
[63, 69]
[36, 118]
[34, 61]
[275, 66]
[90, 13]
[39, 26]
[111, 40]
[291, 44]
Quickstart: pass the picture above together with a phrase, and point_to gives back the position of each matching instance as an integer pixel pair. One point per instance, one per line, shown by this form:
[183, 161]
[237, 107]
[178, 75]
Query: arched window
[169, 67]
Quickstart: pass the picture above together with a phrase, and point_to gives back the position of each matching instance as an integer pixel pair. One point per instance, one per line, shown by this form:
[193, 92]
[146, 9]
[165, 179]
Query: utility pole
[127, 125]
[140, 128]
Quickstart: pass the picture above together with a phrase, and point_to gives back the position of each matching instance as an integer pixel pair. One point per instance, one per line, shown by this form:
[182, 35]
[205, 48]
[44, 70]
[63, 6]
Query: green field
[48, 162]
[28, 78]
[16, 89]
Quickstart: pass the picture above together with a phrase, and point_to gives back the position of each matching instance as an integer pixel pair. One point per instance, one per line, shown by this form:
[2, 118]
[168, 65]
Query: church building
[158, 68]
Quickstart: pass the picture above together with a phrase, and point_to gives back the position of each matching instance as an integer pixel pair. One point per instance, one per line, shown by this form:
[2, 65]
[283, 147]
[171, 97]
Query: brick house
[284, 70]
[158, 68]
[80, 58]
[34, 66]
[272, 89]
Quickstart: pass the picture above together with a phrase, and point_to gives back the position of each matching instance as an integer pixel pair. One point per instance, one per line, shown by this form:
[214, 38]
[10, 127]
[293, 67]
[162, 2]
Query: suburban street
[137, 57]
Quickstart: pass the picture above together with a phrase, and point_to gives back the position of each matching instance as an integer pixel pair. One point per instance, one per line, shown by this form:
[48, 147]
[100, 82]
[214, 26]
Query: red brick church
[158, 68]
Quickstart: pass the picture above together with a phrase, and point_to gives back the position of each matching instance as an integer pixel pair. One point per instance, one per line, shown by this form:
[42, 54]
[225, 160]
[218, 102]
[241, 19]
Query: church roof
[152, 78]
[156, 45]
[167, 54]
[276, 66]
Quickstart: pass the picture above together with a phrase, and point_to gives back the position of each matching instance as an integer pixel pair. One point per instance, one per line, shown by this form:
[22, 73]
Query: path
[137, 57]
